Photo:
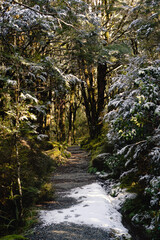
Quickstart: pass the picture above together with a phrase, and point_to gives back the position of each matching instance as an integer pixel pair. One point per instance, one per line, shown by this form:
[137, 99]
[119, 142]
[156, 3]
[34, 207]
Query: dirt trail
[71, 175]
[74, 172]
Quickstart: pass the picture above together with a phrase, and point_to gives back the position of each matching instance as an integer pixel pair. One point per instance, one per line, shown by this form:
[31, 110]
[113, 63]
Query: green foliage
[146, 220]
[35, 167]
[145, 26]
[138, 124]
[132, 206]
[66, 154]
[118, 49]
[107, 146]
[36, 79]
[152, 191]
[45, 145]
[115, 164]
[133, 114]
[46, 192]
[96, 145]
[81, 126]
[59, 154]
[92, 169]
[13, 237]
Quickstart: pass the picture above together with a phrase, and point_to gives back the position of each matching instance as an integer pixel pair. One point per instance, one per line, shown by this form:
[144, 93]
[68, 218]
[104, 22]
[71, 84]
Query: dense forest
[76, 72]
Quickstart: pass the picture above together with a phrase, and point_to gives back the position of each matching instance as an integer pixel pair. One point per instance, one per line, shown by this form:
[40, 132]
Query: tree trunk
[70, 126]
[94, 104]
[17, 152]
[62, 122]
[134, 45]
[101, 84]
[73, 125]
[70, 117]
[19, 182]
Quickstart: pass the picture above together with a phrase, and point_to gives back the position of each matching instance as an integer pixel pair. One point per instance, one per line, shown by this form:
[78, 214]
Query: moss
[56, 156]
[54, 153]
[66, 154]
[59, 153]
[107, 147]
[13, 237]
[94, 145]
[46, 192]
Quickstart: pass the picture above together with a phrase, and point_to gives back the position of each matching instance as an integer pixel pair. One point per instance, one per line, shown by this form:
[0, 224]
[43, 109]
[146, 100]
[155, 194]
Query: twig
[68, 5]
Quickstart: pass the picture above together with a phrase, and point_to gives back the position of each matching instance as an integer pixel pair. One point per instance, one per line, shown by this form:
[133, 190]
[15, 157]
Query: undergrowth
[38, 160]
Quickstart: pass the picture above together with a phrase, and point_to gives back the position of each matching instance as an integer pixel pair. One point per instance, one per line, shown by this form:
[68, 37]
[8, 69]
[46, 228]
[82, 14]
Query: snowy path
[82, 209]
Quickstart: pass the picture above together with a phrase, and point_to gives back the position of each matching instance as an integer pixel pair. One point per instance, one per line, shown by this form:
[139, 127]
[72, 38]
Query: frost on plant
[133, 116]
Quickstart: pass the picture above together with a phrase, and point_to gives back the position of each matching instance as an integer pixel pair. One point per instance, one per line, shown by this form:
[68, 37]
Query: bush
[133, 115]
[46, 192]
[35, 166]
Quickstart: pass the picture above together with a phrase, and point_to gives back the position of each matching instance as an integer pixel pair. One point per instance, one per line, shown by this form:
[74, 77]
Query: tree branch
[48, 14]
[26, 6]
[114, 67]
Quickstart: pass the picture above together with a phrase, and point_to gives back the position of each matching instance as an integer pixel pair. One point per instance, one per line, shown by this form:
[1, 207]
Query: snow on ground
[95, 208]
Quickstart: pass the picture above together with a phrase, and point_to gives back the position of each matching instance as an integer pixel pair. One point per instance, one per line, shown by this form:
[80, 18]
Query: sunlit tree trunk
[70, 117]
[18, 162]
[62, 122]
[73, 125]
[72, 114]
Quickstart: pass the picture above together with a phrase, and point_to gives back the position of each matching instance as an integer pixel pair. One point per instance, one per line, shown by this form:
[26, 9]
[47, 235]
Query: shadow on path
[71, 175]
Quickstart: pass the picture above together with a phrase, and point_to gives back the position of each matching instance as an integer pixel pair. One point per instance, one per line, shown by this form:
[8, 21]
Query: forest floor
[59, 218]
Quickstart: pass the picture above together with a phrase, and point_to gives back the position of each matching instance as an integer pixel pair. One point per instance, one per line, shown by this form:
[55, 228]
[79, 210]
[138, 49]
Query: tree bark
[18, 163]
[101, 84]
[62, 122]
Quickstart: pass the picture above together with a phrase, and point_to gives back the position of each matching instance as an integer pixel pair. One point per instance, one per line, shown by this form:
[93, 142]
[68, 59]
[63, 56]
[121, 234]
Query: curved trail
[74, 173]
[69, 176]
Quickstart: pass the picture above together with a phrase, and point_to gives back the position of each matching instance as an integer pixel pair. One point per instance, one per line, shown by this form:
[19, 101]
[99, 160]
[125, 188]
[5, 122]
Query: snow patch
[95, 208]
[41, 137]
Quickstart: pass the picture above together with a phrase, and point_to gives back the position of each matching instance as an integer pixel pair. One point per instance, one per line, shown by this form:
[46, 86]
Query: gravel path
[70, 232]
[71, 175]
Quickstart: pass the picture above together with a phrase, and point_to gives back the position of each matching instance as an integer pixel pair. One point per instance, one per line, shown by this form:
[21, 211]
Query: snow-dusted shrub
[133, 111]
[150, 218]
[153, 191]
[133, 115]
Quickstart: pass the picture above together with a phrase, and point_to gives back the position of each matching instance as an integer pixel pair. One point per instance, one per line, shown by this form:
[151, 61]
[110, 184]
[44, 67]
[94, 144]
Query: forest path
[73, 174]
